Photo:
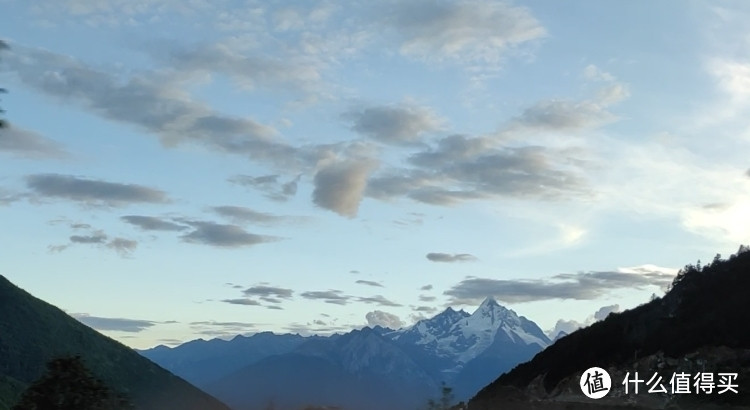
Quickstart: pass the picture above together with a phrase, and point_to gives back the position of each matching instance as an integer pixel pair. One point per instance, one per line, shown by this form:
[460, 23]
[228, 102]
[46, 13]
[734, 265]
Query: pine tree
[446, 399]
[69, 385]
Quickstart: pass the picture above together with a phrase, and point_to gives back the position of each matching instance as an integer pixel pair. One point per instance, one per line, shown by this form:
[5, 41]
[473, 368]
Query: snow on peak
[488, 320]
[489, 302]
[462, 336]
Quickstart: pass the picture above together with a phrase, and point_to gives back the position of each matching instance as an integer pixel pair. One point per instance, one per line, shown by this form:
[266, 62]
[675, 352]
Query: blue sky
[184, 169]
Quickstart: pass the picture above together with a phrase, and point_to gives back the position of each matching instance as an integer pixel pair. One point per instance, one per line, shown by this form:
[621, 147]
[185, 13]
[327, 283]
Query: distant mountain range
[368, 369]
[699, 326]
[32, 332]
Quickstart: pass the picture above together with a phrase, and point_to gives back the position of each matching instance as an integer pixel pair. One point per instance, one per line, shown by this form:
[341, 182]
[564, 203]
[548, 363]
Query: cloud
[425, 309]
[222, 329]
[425, 298]
[727, 222]
[426, 287]
[313, 328]
[240, 215]
[113, 13]
[113, 324]
[223, 236]
[570, 326]
[578, 286]
[450, 257]
[336, 297]
[151, 223]
[594, 73]
[733, 77]
[92, 192]
[339, 186]
[384, 319]
[123, 246]
[98, 238]
[369, 283]
[154, 102]
[29, 144]
[460, 168]
[379, 300]
[7, 198]
[567, 116]
[476, 32]
[604, 311]
[269, 185]
[570, 116]
[393, 124]
[250, 70]
[268, 291]
[243, 301]
[567, 326]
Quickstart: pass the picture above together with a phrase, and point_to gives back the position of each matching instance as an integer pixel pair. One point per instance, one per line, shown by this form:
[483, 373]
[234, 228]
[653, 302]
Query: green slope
[32, 332]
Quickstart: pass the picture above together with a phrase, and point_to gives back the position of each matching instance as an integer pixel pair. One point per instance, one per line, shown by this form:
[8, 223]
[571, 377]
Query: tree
[69, 385]
[445, 402]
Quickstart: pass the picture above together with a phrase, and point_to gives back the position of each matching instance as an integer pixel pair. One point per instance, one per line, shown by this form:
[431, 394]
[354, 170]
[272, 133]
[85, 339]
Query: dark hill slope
[706, 308]
[32, 332]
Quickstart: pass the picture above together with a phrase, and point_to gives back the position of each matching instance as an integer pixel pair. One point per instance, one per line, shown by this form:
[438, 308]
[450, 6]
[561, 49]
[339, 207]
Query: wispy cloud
[450, 257]
[221, 329]
[333, 296]
[378, 300]
[576, 286]
[123, 246]
[152, 223]
[222, 235]
[393, 124]
[269, 185]
[249, 68]
[150, 102]
[113, 324]
[369, 283]
[461, 168]
[92, 192]
[469, 32]
[29, 144]
[242, 215]
[268, 291]
[242, 301]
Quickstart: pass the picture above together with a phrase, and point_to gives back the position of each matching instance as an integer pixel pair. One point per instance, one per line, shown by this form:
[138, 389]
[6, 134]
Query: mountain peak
[489, 302]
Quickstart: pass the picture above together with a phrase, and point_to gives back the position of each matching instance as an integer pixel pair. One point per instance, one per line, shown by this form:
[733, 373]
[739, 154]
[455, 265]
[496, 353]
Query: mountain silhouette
[33, 332]
[700, 325]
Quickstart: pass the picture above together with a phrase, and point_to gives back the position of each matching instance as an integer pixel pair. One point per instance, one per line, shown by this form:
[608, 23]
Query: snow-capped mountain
[462, 336]
[433, 334]
[466, 351]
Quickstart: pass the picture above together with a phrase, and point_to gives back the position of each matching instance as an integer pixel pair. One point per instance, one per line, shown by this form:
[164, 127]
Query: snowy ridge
[490, 318]
[462, 336]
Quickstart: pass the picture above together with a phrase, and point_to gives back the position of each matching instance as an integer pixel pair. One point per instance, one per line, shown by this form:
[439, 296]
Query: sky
[183, 169]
